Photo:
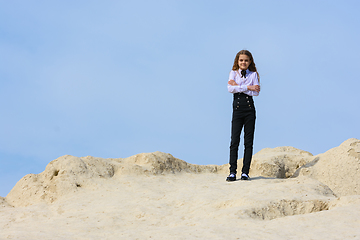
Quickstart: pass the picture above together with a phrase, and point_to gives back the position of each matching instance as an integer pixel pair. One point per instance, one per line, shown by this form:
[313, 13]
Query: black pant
[244, 115]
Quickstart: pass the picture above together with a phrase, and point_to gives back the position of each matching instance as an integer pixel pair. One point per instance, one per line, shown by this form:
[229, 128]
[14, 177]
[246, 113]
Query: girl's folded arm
[236, 88]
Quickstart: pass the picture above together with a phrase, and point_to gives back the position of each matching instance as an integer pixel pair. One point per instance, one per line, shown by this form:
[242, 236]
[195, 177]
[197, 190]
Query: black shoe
[244, 176]
[231, 177]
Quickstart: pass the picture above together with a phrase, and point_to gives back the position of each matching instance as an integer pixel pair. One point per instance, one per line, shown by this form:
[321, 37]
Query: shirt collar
[247, 71]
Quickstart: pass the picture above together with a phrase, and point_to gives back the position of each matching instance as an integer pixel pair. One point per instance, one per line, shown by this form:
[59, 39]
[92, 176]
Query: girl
[243, 83]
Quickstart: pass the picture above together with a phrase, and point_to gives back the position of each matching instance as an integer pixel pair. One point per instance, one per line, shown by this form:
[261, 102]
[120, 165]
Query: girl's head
[244, 60]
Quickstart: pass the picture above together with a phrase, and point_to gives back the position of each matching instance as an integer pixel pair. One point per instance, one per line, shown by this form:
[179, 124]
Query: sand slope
[339, 168]
[292, 195]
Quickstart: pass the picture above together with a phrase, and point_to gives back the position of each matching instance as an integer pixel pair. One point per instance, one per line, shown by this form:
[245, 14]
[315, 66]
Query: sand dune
[292, 195]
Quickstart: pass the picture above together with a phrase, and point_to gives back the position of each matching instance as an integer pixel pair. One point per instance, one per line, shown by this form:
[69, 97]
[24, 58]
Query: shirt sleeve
[236, 89]
[255, 81]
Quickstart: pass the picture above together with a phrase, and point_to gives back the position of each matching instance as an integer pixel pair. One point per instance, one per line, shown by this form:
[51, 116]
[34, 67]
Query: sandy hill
[291, 195]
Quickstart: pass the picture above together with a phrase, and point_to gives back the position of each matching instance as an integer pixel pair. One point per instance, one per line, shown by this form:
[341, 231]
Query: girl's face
[244, 61]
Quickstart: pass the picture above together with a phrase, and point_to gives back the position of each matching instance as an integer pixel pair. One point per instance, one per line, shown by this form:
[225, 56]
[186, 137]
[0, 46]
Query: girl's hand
[232, 83]
[255, 88]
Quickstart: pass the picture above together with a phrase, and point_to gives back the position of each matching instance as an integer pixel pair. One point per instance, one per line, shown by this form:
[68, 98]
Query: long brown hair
[251, 67]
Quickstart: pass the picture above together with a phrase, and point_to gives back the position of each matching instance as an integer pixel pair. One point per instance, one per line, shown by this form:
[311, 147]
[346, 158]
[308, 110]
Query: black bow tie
[243, 73]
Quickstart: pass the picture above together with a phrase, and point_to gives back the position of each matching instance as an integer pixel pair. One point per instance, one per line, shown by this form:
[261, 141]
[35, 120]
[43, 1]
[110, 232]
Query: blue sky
[118, 78]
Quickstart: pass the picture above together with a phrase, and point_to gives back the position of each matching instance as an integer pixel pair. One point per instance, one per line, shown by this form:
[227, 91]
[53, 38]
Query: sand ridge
[155, 195]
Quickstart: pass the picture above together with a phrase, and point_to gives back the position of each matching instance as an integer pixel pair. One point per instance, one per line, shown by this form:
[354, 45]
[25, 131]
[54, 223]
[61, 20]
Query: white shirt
[251, 78]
